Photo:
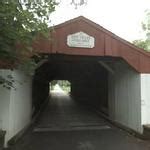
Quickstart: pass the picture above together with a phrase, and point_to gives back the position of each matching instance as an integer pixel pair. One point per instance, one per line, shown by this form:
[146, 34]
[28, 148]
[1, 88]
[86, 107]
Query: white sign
[80, 39]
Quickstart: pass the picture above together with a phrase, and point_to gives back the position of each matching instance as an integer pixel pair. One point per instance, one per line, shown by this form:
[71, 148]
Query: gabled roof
[99, 27]
[106, 44]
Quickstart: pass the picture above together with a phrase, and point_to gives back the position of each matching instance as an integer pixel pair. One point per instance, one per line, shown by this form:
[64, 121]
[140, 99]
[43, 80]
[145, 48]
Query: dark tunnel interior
[89, 80]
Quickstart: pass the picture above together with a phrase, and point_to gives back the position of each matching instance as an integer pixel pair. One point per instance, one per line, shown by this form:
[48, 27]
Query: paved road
[66, 125]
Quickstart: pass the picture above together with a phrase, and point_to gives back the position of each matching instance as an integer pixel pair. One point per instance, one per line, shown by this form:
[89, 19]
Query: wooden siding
[106, 44]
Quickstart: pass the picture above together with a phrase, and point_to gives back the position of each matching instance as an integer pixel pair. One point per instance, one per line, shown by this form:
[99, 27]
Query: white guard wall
[125, 96]
[145, 97]
[16, 105]
[4, 103]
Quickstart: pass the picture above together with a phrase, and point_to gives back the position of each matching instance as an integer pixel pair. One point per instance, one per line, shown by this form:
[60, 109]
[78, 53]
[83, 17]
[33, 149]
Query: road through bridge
[67, 124]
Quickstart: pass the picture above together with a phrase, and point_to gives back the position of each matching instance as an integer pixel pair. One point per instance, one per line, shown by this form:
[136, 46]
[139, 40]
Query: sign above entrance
[80, 39]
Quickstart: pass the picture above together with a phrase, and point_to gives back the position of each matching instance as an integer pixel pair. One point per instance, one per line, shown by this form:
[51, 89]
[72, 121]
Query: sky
[122, 17]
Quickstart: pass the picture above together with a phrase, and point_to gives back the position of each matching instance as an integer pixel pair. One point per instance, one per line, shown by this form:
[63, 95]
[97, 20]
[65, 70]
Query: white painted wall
[20, 104]
[4, 103]
[145, 97]
[125, 96]
[15, 104]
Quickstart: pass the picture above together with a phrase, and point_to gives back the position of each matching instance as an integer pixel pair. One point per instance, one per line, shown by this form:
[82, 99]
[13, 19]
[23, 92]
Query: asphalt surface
[66, 125]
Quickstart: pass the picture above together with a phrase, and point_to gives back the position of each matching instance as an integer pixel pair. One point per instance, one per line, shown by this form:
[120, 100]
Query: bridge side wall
[125, 97]
[4, 102]
[15, 105]
[20, 104]
[145, 97]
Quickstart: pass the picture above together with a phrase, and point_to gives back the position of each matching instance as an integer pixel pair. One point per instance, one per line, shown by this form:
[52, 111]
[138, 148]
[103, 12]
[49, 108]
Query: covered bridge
[105, 71]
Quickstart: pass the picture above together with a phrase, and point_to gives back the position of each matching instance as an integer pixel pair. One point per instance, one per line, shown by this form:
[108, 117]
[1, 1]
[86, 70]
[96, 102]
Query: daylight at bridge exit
[72, 78]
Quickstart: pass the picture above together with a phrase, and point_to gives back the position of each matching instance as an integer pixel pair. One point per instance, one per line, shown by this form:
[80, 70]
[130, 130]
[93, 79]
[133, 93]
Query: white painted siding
[145, 97]
[4, 102]
[20, 104]
[125, 97]
[15, 104]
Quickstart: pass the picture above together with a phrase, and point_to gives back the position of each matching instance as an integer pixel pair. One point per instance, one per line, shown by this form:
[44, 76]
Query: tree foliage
[20, 21]
[142, 44]
[145, 43]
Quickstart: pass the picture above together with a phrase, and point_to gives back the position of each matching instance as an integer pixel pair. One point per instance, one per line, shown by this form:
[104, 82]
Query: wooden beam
[107, 67]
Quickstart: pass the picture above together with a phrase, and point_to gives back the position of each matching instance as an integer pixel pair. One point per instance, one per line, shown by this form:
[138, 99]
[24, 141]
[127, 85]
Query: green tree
[145, 43]
[142, 44]
[20, 22]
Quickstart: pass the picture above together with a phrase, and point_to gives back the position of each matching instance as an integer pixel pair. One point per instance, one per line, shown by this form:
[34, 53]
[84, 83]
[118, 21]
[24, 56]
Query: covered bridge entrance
[105, 72]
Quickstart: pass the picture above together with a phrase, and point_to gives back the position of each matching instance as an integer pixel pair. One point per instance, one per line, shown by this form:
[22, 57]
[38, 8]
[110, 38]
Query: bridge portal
[106, 72]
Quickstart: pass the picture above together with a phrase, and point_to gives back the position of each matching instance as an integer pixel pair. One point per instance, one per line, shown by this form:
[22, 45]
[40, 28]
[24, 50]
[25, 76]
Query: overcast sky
[122, 17]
